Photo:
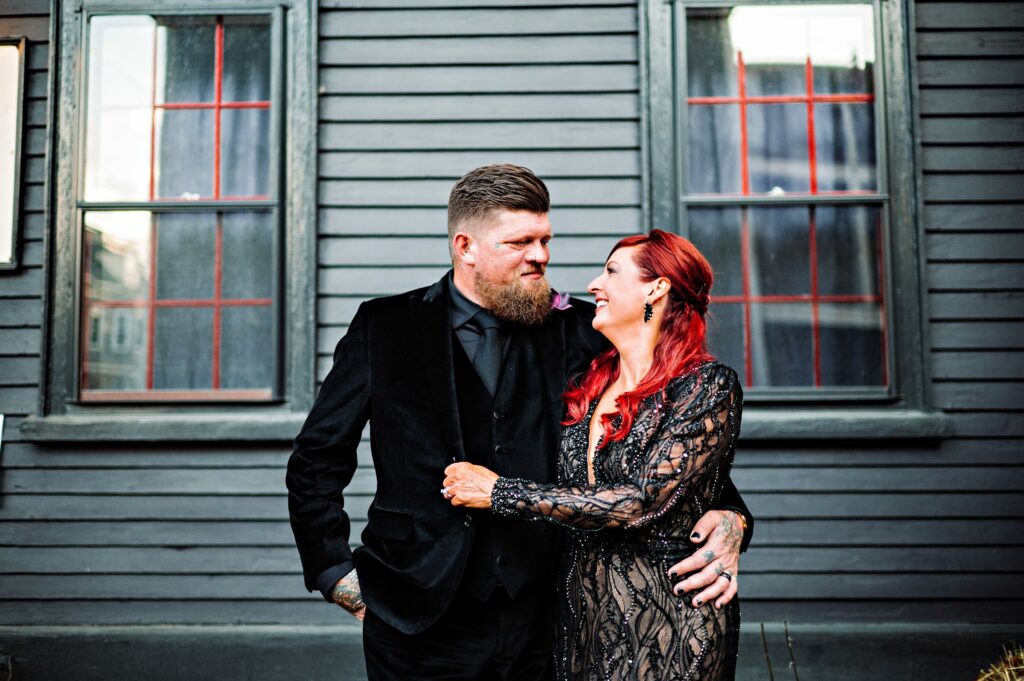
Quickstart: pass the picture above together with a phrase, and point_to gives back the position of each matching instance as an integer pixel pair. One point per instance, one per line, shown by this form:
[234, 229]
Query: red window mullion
[218, 77]
[230, 302]
[812, 153]
[152, 126]
[218, 270]
[881, 301]
[745, 259]
[744, 142]
[151, 321]
[812, 238]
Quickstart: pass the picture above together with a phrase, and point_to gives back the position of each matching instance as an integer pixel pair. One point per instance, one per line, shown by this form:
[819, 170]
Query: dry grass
[1009, 667]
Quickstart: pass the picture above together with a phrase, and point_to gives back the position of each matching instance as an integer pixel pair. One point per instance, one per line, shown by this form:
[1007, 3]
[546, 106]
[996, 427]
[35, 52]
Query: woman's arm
[697, 432]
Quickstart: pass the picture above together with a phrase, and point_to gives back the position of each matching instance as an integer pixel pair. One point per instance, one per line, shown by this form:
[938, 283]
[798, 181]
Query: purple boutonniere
[560, 301]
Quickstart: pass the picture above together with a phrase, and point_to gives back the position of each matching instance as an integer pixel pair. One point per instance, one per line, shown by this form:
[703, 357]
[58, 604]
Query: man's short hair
[494, 187]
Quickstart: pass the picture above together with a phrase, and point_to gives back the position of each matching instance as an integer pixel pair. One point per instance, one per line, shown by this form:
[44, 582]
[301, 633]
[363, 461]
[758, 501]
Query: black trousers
[499, 639]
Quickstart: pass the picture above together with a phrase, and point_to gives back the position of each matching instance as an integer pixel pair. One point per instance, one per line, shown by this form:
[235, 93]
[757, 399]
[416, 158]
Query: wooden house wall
[415, 93]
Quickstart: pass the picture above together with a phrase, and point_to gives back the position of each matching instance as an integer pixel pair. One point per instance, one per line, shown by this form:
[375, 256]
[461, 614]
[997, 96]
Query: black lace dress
[618, 618]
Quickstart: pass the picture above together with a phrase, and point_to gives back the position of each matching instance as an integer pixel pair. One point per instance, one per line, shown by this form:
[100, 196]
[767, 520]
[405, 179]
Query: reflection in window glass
[178, 303]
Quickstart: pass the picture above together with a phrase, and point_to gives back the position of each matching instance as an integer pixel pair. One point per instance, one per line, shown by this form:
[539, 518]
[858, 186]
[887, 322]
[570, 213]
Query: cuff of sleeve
[326, 580]
[505, 497]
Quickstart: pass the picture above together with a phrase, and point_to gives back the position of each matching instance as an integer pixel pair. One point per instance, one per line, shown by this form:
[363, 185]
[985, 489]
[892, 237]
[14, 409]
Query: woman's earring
[648, 312]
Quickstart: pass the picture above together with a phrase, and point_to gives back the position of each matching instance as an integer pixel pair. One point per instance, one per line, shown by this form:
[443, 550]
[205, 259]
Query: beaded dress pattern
[618, 618]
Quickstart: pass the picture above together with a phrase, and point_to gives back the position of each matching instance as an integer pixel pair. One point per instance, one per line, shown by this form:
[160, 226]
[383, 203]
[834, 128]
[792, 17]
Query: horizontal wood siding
[971, 96]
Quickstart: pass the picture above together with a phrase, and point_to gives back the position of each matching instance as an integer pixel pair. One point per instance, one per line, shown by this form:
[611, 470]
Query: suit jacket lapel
[433, 323]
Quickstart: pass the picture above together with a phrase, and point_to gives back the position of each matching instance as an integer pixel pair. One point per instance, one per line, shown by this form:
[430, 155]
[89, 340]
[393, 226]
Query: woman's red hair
[683, 342]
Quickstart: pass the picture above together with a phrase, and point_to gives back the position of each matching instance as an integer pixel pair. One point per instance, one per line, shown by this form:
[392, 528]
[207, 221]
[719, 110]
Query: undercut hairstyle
[494, 187]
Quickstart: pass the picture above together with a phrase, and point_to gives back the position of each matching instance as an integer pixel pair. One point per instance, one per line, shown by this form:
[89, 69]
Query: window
[769, 148]
[12, 67]
[178, 112]
[188, 272]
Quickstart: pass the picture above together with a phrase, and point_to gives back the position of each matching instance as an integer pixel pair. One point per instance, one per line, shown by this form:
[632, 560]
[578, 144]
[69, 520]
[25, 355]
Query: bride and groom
[553, 495]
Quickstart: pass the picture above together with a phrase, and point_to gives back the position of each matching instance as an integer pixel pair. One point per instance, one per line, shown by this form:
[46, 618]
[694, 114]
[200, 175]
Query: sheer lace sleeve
[696, 430]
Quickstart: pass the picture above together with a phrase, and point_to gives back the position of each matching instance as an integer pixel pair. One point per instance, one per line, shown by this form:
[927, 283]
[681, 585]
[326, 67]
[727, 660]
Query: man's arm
[724, 532]
[324, 460]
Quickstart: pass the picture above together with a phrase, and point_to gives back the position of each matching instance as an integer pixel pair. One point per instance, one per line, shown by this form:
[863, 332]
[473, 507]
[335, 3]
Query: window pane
[852, 344]
[185, 256]
[248, 255]
[714, 150]
[247, 348]
[845, 141]
[246, 59]
[116, 251]
[849, 250]
[726, 335]
[116, 353]
[716, 233]
[183, 348]
[799, 79]
[779, 251]
[245, 152]
[185, 143]
[185, 57]
[780, 345]
[120, 108]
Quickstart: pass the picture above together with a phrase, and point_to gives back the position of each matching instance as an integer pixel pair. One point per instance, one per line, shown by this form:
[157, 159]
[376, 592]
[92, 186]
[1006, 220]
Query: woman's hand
[466, 484]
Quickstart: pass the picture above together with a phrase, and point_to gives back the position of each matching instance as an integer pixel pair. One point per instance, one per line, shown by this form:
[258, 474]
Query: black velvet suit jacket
[394, 368]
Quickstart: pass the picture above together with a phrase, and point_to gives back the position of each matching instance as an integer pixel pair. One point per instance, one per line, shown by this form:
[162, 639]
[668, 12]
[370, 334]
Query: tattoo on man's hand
[732, 534]
[709, 556]
[347, 596]
[719, 569]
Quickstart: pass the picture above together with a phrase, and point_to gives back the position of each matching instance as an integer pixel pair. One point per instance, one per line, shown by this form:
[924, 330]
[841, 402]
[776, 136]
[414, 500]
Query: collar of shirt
[464, 309]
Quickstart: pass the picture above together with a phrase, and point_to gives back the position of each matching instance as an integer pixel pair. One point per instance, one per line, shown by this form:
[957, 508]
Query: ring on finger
[727, 575]
[446, 492]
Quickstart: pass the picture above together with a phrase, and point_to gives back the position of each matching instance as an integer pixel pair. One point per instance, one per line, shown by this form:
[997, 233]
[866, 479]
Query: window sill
[236, 426]
[760, 424]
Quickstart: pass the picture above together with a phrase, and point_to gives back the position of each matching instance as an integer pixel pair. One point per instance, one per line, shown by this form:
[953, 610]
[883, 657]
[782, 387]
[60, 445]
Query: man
[471, 368]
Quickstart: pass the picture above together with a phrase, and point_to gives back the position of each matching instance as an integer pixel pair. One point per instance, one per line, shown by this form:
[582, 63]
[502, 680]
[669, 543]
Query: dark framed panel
[898, 405]
[67, 412]
[12, 63]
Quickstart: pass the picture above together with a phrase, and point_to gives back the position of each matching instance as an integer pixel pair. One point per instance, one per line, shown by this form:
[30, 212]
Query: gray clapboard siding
[963, 366]
[975, 187]
[489, 22]
[489, 50]
[528, 78]
[980, 247]
[987, 335]
[479, 107]
[966, 101]
[589, 192]
[989, 216]
[969, 15]
[971, 43]
[450, 165]
[494, 136]
[993, 276]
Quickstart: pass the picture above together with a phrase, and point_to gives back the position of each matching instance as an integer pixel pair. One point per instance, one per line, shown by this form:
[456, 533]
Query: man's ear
[464, 247]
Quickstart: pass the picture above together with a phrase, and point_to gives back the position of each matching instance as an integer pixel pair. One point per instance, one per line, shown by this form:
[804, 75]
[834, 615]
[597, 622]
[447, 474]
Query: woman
[646, 447]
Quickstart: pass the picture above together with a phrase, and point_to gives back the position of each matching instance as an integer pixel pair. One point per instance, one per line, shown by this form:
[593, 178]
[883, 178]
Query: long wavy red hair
[682, 345]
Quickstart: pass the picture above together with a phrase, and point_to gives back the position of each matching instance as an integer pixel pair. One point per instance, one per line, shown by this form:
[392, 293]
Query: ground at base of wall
[262, 653]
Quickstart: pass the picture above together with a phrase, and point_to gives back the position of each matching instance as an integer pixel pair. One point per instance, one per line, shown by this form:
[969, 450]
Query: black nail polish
[699, 602]
[695, 535]
[672, 576]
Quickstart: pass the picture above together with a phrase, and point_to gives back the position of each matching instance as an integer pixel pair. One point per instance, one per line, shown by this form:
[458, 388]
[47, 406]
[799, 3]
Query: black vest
[511, 434]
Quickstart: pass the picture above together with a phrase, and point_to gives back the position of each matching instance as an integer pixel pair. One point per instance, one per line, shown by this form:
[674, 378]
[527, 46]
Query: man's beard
[516, 302]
